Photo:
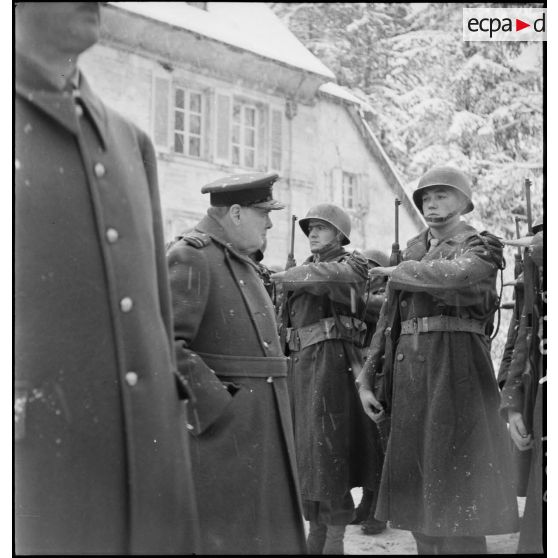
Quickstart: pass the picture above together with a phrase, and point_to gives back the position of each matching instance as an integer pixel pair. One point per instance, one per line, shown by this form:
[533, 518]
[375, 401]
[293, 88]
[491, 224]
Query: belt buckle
[415, 324]
[425, 324]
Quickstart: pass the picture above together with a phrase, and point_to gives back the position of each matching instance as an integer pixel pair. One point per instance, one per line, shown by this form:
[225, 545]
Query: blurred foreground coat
[446, 467]
[242, 448]
[335, 442]
[101, 460]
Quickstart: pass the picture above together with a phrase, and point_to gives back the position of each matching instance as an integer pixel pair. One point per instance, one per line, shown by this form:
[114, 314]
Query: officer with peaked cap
[445, 475]
[323, 316]
[228, 350]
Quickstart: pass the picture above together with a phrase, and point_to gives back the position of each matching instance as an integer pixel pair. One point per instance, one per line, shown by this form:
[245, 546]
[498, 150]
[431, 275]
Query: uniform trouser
[449, 545]
[325, 539]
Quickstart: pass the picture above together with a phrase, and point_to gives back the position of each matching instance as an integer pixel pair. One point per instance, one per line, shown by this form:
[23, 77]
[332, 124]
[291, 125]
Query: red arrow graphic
[519, 25]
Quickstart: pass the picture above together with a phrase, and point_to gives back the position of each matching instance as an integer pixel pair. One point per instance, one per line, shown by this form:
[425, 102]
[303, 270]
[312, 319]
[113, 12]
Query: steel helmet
[331, 214]
[376, 256]
[444, 176]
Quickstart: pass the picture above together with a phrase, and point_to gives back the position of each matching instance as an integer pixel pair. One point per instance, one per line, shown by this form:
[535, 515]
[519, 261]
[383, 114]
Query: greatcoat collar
[210, 226]
[36, 86]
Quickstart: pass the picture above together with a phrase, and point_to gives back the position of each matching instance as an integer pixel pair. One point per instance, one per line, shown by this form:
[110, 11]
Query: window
[244, 127]
[349, 190]
[188, 122]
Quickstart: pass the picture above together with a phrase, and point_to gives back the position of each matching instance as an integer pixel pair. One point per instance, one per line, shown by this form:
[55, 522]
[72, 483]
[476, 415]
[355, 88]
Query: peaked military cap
[254, 190]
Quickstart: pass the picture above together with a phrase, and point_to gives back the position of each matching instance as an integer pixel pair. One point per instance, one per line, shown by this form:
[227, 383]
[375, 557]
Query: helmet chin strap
[442, 219]
[449, 216]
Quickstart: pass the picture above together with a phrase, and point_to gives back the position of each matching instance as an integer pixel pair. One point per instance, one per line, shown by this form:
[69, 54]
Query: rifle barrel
[397, 204]
[528, 203]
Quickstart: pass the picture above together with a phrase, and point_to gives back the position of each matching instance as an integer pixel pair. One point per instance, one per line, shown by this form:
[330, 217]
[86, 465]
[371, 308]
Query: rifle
[530, 374]
[291, 262]
[395, 257]
[518, 265]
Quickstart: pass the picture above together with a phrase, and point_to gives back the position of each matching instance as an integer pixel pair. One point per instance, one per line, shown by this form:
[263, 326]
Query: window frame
[187, 113]
[242, 126]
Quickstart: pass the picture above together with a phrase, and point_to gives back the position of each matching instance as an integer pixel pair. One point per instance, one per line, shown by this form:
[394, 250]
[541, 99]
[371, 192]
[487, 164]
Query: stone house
[224, 88]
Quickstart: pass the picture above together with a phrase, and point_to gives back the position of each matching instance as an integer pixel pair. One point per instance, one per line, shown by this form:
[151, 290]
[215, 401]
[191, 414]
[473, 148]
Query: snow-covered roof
[251, 26]
[331, 88]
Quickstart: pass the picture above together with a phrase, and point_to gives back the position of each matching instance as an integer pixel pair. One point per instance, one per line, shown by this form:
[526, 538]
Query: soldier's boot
[363, 509]
[316, 537]
[373, 526]
[334, 539]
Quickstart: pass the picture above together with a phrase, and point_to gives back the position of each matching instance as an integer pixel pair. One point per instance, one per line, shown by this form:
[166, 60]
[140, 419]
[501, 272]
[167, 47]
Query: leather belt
[342, 327]
[246, 366]
[442, 323]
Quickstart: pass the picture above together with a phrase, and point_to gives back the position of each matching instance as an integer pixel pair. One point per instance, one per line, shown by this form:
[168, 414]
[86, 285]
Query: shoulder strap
[196, 239]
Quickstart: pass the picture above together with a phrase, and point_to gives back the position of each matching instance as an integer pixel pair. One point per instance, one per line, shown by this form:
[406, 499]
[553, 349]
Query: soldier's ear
[235, 212]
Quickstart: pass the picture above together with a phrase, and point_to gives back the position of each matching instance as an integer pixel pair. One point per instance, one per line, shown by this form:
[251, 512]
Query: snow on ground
[395, 541]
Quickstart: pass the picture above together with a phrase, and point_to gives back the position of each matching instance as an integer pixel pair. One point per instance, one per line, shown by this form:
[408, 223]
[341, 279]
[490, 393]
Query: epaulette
[196, 239]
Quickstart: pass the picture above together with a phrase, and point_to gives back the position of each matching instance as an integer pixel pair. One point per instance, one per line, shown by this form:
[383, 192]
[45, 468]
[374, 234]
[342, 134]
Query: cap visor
[272, 204]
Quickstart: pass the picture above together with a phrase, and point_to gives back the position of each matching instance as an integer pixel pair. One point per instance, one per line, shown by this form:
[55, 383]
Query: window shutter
[337, 186]
[161, 112]
[262, 144]
[223, 128]
[363, 185]
[276, 143]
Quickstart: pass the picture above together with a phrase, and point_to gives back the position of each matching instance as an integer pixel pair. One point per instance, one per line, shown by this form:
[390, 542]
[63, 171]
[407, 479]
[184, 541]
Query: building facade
[225, 88]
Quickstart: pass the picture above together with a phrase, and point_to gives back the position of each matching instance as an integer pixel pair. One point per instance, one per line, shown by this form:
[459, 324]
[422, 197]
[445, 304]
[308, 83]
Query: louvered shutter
[336, 186]
[276, 143]
[223, 105]
[161, 112]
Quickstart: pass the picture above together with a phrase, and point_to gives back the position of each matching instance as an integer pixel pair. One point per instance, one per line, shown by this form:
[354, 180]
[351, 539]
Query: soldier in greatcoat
[101, 456]
[523, 393]
[374, 298]
[228, 349]
[445, 475]
[323, 318]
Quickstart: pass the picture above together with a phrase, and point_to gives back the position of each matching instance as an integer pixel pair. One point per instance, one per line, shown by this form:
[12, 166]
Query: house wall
[319, 143]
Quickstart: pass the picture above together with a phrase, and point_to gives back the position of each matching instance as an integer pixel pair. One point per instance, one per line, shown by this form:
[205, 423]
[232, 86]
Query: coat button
[403, 304]
[100, 170]
[112, 235]
[189, 426]
[293, 313]
[126, 304]
[131, 378]
[270, 380]
[266, 344]
[400, 356]
[79, 110]
[421, 358]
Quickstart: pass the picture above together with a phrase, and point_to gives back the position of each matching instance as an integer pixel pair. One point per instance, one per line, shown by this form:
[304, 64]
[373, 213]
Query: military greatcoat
[101, 461]
[242, 445]
[334, 452]
[523, 392]
[445, 471]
